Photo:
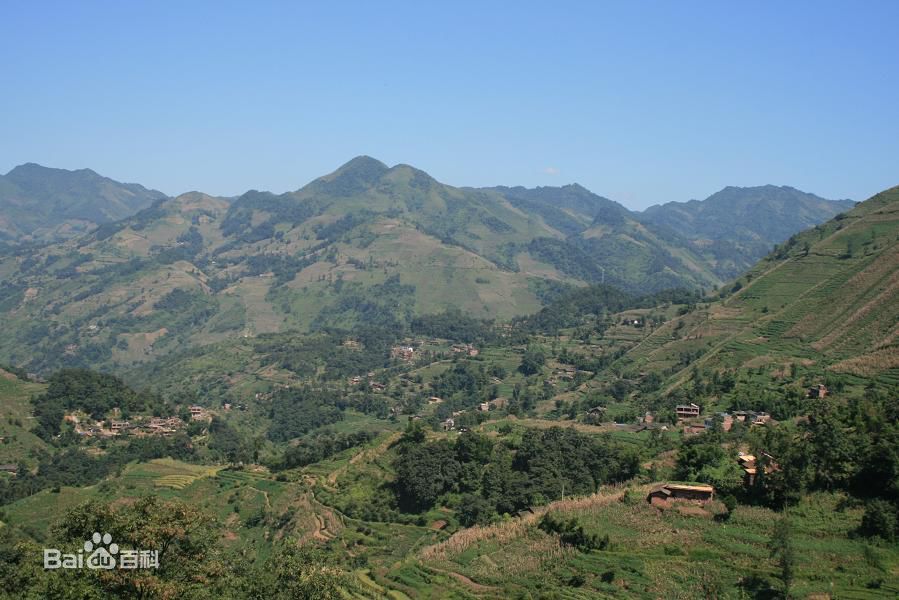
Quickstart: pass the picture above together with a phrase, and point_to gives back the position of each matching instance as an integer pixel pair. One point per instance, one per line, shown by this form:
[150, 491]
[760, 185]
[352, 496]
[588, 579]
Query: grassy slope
[16, 420]
[672, 553]
[458, 247]
[822, 308]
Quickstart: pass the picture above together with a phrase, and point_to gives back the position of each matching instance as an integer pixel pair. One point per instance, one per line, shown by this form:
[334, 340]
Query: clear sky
[643, 102]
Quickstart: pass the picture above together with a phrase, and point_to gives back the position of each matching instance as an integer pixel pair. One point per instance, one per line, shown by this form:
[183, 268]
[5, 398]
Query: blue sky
[644, 102]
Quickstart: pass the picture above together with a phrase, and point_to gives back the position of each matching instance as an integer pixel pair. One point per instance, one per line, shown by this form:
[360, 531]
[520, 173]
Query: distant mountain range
[45, 204]
[366, 244]
[736, 226]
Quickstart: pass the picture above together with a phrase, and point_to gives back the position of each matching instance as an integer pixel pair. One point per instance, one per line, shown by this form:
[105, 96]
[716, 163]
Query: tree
[880, 520]
[781, 547]
[533, 360]
[473, 447]
[184, 536]
[424, 472]
[298, 573]
[475, 510]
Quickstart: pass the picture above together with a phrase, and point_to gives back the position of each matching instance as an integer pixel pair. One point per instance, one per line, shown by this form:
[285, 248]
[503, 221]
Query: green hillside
[16, 421]
[826, 301]
[519, 470]
[43, 204]
[737, 226]
[366, 244]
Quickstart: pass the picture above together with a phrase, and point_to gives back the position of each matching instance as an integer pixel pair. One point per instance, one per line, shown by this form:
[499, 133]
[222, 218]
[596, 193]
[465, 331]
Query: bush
[880, 520]
[571, 533]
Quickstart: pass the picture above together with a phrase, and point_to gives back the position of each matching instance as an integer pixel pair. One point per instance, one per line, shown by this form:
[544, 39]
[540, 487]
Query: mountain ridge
[46, 203]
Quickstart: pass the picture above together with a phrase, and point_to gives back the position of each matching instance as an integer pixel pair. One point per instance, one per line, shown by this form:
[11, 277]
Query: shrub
[572, 533]
[880, 520]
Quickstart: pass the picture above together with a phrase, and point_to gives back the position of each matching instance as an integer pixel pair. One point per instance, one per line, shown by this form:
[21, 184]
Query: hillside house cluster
[406, 353]
[369, 377]
[751, 417]
[467, 349]
[139, 426]
[726, 421]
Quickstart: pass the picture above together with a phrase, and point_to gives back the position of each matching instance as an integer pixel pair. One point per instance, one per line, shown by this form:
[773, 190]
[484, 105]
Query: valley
[396, 396]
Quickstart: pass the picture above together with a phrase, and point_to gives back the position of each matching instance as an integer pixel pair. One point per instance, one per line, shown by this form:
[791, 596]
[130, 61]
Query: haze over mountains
[748, 220]
[45, 204]
[366, 243]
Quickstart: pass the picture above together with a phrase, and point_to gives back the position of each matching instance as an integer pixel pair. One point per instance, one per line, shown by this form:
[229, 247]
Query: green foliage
[474, 510]
[572, 533]
[782, 549]
[313, 448]
[297, 411]
[94, 393]
[453, 325]
[533, 360]
[424, 472]
[387, 305]
[880, 520]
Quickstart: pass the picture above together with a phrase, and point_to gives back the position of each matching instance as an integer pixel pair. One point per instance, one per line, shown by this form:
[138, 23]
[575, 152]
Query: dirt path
[465, 580]
[369, 454]
[268, 502]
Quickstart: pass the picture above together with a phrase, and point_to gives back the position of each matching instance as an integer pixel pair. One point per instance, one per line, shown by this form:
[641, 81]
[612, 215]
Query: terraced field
[653, 553]
[832, 301]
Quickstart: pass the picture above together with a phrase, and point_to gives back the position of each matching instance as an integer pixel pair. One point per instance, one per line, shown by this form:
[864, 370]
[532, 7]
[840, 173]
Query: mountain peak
[363, 165]
[353, 177]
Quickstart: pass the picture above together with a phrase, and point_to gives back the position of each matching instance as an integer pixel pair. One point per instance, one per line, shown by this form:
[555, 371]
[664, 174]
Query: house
[9, 468]
[596, 410]
[760, 418]
[818, 391]
[449, 425]
[484, 406]
[747, 462]
[686, 411]
[675, 491]
[752, 417]
[649, 418]
[691, 430]
[196, 411]
[377, 387]
[435, 400]
[465, 349]
[119, 425]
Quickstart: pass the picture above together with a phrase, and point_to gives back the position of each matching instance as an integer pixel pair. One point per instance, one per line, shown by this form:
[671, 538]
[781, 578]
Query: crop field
[16, 421]
[657, 553]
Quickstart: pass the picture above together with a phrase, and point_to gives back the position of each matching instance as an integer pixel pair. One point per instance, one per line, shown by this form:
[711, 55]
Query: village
[138, 426]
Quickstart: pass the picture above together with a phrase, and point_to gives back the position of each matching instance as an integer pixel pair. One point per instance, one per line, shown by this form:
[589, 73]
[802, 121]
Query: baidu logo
[100, 552]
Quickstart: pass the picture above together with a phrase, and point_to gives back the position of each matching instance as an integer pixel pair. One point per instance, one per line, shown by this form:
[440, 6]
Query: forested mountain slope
[738, 225]
[44, 204]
